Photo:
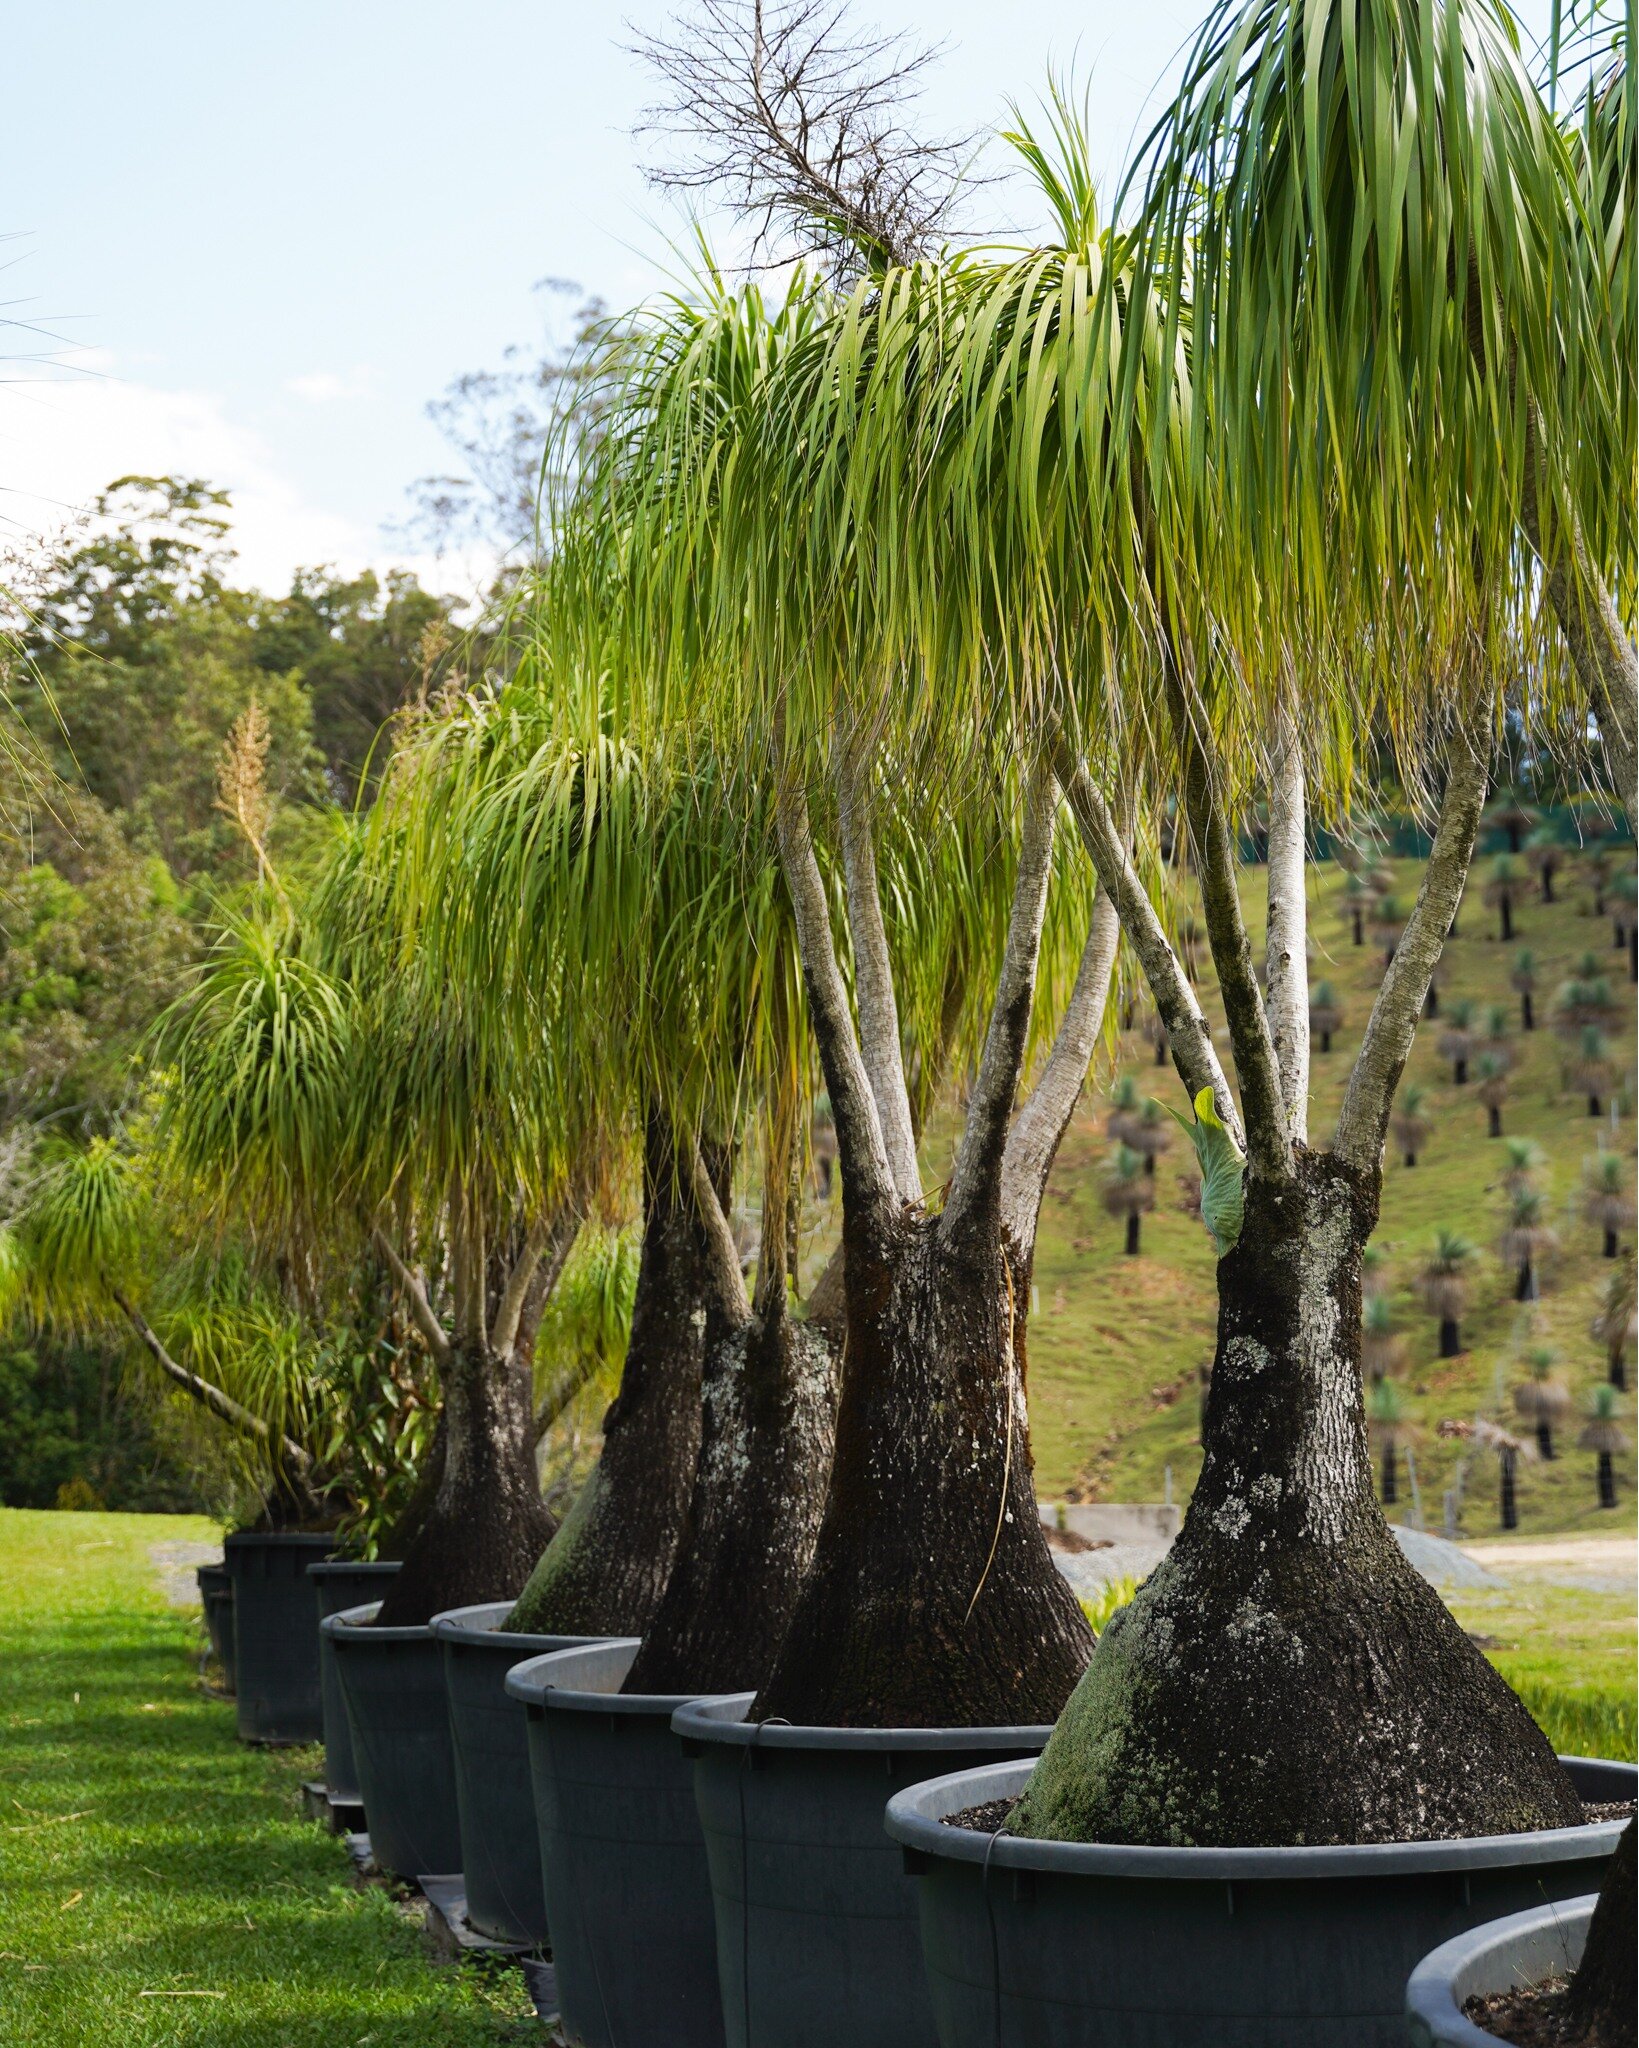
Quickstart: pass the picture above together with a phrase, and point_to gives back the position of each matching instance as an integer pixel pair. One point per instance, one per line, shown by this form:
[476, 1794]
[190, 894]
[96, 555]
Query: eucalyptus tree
[322, 1084]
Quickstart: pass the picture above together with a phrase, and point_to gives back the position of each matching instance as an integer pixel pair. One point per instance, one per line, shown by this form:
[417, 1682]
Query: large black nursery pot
[275, 1642]
[817, 1937]
[1503, 1955]
[216, 1598]
[392, 1683]
[500, 1846]
[624, 1866]
[340, 1583]
[1032, 1944]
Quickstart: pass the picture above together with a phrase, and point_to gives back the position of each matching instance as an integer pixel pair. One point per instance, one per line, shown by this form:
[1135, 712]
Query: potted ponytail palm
[932, 1623]
[1272, 1755]
[351, 1100]
[92, 1245]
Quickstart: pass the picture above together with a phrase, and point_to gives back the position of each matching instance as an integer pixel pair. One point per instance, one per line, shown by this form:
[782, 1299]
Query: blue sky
[269, 235]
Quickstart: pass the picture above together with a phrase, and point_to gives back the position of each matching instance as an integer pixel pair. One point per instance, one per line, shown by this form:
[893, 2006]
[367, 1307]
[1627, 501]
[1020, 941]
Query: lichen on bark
[1286, 1677]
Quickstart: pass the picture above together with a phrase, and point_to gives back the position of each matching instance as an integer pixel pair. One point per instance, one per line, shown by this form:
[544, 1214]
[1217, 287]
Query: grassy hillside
[1116, 1343]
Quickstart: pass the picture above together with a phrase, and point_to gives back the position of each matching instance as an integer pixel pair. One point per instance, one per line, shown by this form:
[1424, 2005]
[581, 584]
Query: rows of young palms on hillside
[1117, 1343]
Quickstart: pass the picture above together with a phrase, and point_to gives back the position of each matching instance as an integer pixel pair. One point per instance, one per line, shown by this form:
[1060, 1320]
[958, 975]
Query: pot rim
[244, 1539]
[335, 1567]
[914, 1818]
[722, 1719]
[357, 1625]
[1431, 1997]
[532, 1682]
[465, 1626]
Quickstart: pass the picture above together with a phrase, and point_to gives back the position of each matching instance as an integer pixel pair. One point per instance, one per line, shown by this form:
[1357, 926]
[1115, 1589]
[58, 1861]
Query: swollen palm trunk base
[1285, 1676]
[817, 1941]
[933, 1600]
[500, 1849]
[1033, 1944]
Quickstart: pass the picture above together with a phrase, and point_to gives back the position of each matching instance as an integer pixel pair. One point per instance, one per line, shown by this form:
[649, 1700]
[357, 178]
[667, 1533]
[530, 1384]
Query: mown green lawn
[157, 1883]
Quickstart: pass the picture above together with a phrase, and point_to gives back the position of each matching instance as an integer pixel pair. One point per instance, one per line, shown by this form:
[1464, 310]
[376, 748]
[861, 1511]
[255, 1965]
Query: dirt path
[1603, 1563]
[174, 1566]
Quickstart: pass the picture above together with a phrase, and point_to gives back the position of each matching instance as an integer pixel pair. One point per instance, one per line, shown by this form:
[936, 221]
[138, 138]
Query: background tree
[1545, 856]
[1326, 1013]
[1616, 1327]
[1458, 1039]
[1504, 891]
[1382, 1348]
[1608, 1199]
[1492, 1076]
[1128, 1194]
[1605, 1437]
[1443, 1285]
[1542, 1397]
[1411, 1123]
[1508, 1450]
[1589, 1071]
[1527, 1239]
[1522, 979]
[1392, 1430]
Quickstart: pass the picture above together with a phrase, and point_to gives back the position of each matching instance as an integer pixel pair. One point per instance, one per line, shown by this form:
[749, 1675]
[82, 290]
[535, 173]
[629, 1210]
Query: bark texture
[1285, 1676]
[487, 1524]
[933, 1600]
[768, 1422]
[606, 1569]
[1605, 1990]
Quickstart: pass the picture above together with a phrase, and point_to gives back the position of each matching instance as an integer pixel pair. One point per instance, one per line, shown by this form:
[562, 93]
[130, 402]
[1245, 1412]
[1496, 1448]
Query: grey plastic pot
[500, 1846]
[1034, 1944]
[275, 1642]
[340, 1583]
[624, 1866]
[216, 1598]
[817, 1937]
[1503, 1955]
[392, 1682]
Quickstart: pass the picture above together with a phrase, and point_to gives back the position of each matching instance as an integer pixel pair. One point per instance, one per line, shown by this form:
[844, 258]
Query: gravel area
[175, 1564]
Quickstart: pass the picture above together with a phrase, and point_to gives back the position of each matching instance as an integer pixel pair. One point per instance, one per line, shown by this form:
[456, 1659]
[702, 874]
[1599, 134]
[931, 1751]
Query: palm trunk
[1545, 1441]
[605, 1571]
[1451, 1342]
[1459, 1073]
[1431, 1002]
[1605, 1990]
[1494, 1127]
[1507, 1465]
[1607, 1481]
[1618, 1368]
[1593, 1106]
[768, 1425]
[487, 1523]
[1505, 912]
[1610, 1244]
[1132, 1235]
[1390, 1476]
[1359, 933]
[1525, 1282]
[1286, 1604]
[1527, 1016]
[933, 1599]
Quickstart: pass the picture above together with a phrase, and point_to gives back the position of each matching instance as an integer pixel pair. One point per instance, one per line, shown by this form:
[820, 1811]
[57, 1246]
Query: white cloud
[64, 440]
[323, 387]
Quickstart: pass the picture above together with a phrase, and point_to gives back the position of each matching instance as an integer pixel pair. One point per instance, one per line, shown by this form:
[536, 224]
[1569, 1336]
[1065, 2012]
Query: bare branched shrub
[800, 123]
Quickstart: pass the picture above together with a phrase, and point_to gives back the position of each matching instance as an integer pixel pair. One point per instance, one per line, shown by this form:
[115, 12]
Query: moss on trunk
[1285, 1676]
